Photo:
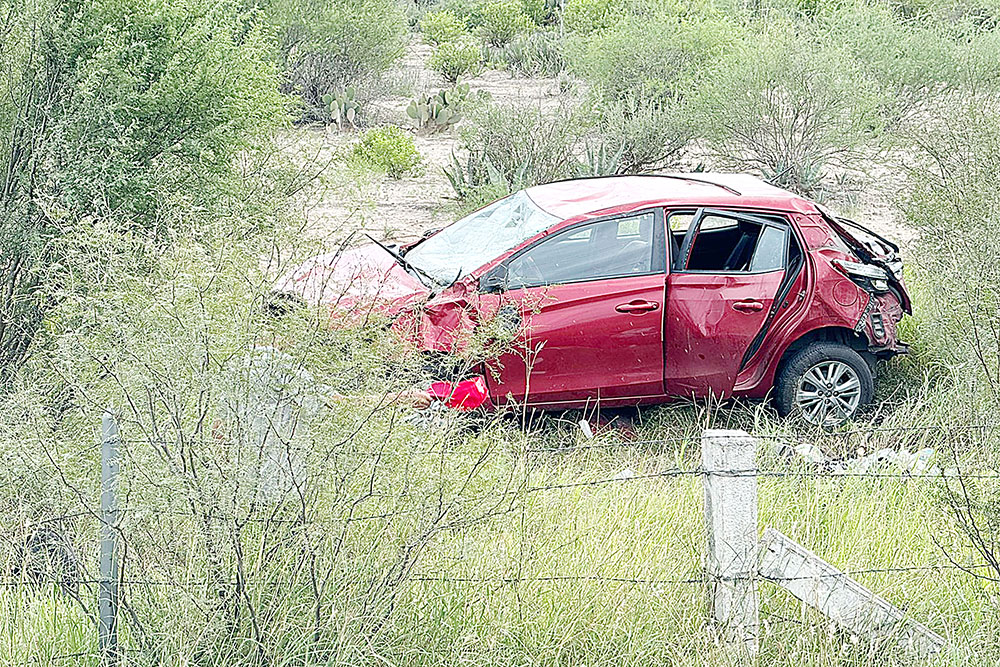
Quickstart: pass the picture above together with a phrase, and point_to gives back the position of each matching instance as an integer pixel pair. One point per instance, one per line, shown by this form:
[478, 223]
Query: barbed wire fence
[728, 572]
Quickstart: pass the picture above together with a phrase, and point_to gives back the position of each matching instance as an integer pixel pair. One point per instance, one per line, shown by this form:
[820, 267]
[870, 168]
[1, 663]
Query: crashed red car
[636, 290]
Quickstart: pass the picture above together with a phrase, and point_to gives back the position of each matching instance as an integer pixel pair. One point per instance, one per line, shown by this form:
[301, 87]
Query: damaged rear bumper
[878, 322]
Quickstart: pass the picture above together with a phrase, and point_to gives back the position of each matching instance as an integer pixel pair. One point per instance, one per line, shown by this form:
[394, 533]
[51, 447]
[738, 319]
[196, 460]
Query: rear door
[589, 302]
[726, 270]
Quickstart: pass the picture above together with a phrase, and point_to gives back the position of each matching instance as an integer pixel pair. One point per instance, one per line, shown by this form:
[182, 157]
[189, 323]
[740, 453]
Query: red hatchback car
[636, 290]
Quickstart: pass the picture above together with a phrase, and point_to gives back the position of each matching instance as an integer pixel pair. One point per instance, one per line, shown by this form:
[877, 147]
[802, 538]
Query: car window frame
[702, 212]
[661, 264]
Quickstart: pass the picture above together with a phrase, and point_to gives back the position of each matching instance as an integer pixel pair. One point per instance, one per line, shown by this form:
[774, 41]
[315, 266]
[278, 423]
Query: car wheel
[824, 383]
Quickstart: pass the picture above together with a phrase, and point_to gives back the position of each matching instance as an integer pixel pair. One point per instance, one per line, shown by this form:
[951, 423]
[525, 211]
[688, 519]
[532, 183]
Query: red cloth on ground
[465, 395]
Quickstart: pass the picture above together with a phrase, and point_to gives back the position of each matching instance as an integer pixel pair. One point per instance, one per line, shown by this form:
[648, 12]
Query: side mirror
[495, 280]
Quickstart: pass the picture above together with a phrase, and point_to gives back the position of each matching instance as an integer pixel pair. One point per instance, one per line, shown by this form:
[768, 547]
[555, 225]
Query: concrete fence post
[728, 460]
[108, 590]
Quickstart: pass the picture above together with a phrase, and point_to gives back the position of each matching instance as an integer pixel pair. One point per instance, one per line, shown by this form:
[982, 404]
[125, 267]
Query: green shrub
[389, 149]
[541, 12]
[121, 127]
[455, 59]
[927, 57]
[327, 46]
[470, 12]
[953, 157]
[442, 26]
[653, 57]
[788, 109]
[651, 137]
[530, 54]
[503, 20]
[510, 147]
[586, 16]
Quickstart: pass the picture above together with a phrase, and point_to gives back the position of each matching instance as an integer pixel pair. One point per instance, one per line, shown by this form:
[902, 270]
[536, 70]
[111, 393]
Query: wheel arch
[834, 334]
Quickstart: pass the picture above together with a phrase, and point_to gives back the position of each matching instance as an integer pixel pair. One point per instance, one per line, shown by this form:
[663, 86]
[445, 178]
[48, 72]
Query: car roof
[577, 197]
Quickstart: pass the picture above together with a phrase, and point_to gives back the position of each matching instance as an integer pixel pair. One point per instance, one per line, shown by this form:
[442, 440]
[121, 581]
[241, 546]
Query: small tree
[787, 108]
[120, 125]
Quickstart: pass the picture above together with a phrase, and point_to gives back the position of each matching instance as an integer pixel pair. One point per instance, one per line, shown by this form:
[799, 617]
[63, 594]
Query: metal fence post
[728, 459]
[108, 592]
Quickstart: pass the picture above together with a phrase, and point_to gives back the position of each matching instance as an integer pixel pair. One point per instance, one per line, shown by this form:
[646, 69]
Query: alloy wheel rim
[828, 393]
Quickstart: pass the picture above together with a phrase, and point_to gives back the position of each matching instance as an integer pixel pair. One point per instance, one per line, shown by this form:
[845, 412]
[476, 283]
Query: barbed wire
[57, 658]
[421, 577]
[436, 499]
[562, 448]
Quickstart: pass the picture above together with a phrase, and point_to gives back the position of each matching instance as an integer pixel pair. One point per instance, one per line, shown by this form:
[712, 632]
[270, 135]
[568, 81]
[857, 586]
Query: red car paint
[352, 283]
[463, 396]
[635, 339]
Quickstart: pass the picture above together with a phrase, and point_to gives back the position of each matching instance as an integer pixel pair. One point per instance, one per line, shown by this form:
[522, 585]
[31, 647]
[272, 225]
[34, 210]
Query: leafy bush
[586, 16]
[327, 46]
[952, 199]
[118, 121]
[503, 20]
[530, 54]
[923, 61]
[389, 149]
[442, 26]
[541, 12]
[455, 59]
[788, 109]
[651, 136]
[510, 147]
[654, 57]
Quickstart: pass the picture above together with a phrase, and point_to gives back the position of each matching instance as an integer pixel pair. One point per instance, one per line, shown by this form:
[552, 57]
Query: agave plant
[599, 161]
[478, 171]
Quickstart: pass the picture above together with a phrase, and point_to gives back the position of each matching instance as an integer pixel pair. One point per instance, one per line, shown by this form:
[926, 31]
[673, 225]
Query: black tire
[824, 404]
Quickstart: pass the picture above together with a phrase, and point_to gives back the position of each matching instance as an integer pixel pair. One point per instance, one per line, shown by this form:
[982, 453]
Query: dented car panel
[605, 300]
[711, 320]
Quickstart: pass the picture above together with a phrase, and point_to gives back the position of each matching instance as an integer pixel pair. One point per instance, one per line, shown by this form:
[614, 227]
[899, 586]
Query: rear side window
[615, 248]
[769, 255]
[736, 243]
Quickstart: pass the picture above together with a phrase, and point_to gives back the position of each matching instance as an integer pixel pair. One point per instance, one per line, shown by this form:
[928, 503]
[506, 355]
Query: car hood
[355, 284]
[352, 280]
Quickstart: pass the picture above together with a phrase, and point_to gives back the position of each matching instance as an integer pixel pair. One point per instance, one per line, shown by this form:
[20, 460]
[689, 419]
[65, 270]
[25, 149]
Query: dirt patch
[400, 210]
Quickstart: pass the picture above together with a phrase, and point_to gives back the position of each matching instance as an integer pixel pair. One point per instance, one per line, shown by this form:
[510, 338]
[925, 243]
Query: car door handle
[637, 306]
[748, 306]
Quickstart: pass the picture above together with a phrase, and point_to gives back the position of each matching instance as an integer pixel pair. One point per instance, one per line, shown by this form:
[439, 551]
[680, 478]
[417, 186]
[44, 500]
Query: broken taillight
[869, 277]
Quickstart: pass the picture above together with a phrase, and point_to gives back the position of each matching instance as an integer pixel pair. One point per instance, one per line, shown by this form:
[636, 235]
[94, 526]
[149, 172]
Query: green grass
[649, 530]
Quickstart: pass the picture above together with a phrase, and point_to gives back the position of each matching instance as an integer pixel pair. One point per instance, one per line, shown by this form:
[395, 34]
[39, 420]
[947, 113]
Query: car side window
[678, 223]
[737, 244]
[619, 247]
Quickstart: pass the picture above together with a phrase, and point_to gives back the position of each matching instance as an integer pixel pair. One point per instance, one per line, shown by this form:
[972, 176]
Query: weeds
[279, 509]
[389, 149]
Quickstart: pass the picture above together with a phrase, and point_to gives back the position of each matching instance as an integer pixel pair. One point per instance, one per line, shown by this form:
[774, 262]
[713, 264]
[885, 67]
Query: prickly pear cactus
[343, 106]
[440, 110]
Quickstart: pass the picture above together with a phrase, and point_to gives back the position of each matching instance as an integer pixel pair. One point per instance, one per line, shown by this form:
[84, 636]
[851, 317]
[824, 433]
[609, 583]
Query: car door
[726, 270]
[589, 304]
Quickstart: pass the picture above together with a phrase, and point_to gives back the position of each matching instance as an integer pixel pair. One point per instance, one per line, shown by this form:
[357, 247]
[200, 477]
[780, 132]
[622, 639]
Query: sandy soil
[391, 209]
[401, 210]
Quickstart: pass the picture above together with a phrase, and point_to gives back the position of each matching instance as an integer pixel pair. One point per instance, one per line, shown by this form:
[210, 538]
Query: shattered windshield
[480, 237]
